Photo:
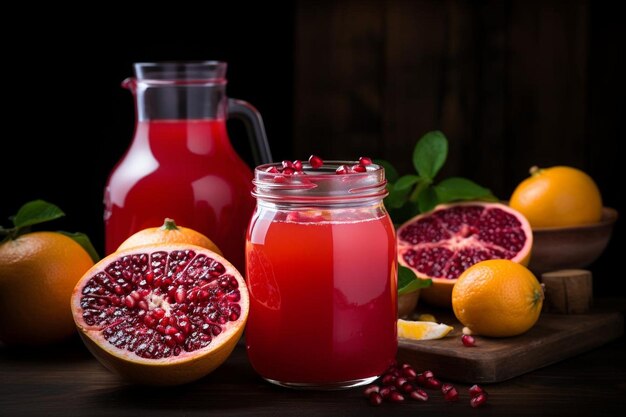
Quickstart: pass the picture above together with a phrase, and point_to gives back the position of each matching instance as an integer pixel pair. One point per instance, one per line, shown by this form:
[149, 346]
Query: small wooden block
[569, 291]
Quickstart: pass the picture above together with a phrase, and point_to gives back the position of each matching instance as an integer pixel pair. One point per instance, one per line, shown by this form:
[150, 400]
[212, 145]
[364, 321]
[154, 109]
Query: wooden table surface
[68, 381]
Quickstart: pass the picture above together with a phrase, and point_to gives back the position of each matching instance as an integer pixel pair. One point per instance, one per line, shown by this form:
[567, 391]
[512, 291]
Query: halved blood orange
[161, 314]
[443, 243]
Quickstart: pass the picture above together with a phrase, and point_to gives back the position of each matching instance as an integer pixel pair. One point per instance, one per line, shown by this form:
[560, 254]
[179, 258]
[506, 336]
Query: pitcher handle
[253, 121]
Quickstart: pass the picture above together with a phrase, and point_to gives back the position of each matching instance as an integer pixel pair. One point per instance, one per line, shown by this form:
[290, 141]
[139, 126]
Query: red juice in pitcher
[186, 170]
[181, 163]
[322, 281]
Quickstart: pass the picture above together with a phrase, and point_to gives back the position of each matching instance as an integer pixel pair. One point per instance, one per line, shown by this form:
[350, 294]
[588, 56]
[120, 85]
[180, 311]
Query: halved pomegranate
[443, 243]
[161, 314]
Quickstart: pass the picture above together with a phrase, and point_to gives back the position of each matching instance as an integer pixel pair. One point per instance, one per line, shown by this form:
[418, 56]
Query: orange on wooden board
[497, 298]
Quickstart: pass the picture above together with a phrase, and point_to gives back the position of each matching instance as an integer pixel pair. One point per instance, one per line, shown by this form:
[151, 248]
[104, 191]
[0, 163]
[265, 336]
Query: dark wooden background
[511, 83]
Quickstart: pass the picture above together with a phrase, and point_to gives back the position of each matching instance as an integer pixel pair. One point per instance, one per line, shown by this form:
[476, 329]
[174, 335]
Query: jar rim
[320, 186]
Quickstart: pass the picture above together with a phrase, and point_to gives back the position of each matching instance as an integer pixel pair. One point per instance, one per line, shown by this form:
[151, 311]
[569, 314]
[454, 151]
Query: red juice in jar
[322, 281]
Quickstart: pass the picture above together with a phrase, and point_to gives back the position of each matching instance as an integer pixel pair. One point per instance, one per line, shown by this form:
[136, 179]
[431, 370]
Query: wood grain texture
[554, 338]
[66, 381]
[506, 82]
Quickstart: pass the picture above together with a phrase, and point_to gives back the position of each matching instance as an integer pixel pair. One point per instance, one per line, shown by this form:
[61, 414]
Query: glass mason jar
[322, 273]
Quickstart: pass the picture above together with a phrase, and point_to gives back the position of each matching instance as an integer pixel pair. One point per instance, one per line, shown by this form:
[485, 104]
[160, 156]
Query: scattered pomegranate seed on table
[468, 340]
[400, 382]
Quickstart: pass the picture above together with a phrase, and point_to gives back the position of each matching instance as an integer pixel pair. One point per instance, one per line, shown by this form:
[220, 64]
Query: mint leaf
[430, 154]
[35, 212]
[391, 174]
[408, 282]
[456, 188]
[427, 200]
[83, 240]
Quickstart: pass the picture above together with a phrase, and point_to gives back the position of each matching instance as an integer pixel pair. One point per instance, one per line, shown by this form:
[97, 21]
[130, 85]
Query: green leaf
[83, 240]
[396, 198]
[427, 200]
[408, 282]
[35, 212]
[456, 188]
[390, 172]
[430, 154]
[406, 182]
[402, 214]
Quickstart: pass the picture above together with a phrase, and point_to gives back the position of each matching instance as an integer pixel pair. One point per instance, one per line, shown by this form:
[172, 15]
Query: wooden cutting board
[555, 337]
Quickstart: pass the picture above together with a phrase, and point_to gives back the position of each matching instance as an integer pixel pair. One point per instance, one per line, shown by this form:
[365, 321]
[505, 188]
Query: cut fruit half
[161, 314]
[422, 330]
[443, 243]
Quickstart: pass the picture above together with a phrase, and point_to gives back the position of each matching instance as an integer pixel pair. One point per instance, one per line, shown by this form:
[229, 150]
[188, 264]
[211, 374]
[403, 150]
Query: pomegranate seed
[446, 387]
[400, 381]
[396, 397]
[409, 373]
[169, 340]
[419, 395]
[468, 340]
[375, 399]
[171, 330]
[478, 400]
[272, 170]
[343, 169]
[149, 321]
[180, 295]
[433, 383]
[408, 387]
[129, 301]
[449, 392]
[297, 165]
[288, 171]
[158, 313]
[386, 391]
[180, 338]
[474, 390]
[315, 161]
[287, 164]
[143, 305]
[388, 379]
[358, 168]
[370, 389]
[420, 379]
[365, 161]
[428, 374]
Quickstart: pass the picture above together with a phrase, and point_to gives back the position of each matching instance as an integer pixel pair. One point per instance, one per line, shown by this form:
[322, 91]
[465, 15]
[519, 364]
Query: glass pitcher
[181, 163]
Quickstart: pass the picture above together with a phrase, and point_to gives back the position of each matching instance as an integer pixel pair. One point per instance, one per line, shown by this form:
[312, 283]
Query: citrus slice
[422, 330]
[161, 314]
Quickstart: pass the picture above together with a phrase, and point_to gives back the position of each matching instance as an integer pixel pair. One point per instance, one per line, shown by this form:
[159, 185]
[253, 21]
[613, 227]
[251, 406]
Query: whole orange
[497, 298]
[169, 233]
[558, 197]
[38, 272]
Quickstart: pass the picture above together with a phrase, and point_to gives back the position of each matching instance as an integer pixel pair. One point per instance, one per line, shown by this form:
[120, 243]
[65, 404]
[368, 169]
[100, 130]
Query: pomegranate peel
[161, 314]
[442, 243]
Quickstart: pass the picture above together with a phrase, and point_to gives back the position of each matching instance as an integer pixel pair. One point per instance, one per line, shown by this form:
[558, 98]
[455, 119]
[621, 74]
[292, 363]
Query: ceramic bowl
[557, 248]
